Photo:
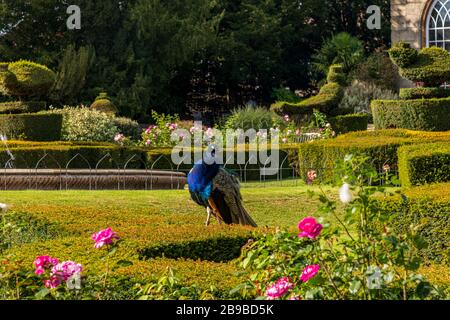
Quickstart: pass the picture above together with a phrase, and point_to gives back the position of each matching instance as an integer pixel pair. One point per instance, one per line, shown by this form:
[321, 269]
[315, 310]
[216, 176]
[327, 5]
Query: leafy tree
[341, 49]
[72, 73]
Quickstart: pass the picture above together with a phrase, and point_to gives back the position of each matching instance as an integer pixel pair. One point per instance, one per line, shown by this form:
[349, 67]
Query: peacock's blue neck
[200, 180]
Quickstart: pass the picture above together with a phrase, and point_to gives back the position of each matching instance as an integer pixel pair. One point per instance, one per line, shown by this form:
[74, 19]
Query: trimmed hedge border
[32, 126]
[27, 153]
[380, 145]
[423, 164]
[424, 93]
[15, 107]
[428, 206]
[350, 122]
[425, 114]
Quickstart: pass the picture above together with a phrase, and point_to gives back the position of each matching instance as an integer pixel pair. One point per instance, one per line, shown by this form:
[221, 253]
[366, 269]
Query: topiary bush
[26, 79]
[402, 54]
[37, 127]
[425, 114]
[422, 164]
[350, 122]
[424, 93]
[430, 66]
[336, 75]
[326, 101]
[103, 104]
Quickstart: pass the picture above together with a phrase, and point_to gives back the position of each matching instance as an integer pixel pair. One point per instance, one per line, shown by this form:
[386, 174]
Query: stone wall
[406, 21]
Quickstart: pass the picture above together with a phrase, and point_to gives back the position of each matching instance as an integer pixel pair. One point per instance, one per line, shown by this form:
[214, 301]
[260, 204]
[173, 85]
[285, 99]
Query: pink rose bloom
[149, 129]
[209, 132]
[104, 237]
[44, 262]
[279, 289]
[309, 228]
[286, 118]
[119, 138]
[53, 282]
[66, 269]
[309, 272]
[311, 176]
[298, 132]
[148, 142]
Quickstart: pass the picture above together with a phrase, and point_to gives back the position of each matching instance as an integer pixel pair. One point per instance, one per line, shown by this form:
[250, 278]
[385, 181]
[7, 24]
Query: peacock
[216, 189]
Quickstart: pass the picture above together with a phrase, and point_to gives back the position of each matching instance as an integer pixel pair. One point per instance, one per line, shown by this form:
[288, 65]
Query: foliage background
[165, 55]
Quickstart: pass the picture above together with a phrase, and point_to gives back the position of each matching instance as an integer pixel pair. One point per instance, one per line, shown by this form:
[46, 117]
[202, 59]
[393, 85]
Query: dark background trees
[180, 55]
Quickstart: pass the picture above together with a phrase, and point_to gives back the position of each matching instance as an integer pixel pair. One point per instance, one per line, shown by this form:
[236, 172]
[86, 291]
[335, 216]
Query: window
[438, 25]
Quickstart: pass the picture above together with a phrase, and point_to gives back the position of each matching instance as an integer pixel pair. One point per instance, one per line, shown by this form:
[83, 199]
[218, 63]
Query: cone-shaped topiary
[103, 104]
[25, 79]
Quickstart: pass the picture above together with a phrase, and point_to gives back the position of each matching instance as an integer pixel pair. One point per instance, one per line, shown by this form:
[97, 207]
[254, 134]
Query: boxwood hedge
[350, 122]
[429, 207]
[15, 107]
[422, 164]
[380, 145]
[37, 127]
[425, 114]
[424, 93]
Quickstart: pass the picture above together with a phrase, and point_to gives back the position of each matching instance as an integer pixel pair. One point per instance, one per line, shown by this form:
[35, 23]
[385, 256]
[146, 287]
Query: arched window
[438, 25]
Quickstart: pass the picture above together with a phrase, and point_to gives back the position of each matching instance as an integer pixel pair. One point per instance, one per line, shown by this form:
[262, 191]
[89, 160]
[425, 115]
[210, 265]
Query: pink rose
[104, 237]
[43, 262]
[279, 289]
[66, 269]
[53, 282]
[311, 176]
[309, 228]
[309, 272]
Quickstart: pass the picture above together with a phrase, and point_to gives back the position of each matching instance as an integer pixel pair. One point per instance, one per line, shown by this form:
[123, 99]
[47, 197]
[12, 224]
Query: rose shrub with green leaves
[351, 260]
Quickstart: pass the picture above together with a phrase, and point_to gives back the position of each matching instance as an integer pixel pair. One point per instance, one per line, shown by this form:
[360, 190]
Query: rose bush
[360, 258]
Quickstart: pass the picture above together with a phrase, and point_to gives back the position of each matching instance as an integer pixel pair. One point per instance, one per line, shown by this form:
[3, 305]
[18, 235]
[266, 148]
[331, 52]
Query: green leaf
[41, 294]
[355, 285]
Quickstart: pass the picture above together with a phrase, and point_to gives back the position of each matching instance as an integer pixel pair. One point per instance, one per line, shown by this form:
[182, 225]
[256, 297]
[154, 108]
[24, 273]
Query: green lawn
[60, 223]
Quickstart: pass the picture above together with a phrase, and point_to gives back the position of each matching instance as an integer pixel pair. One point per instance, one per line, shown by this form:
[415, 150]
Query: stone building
[422, 23]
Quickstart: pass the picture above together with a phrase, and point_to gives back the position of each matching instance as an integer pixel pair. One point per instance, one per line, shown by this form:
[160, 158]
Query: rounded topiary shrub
[430, 66]
[425, 114]
[103, 104]
[33, 126]
[26, 79]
